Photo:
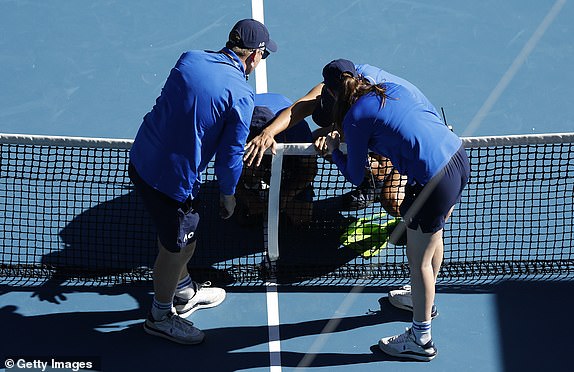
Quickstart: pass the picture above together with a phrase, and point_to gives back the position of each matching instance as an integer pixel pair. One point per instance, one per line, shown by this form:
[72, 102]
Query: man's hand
[226, 205]
[255, 149]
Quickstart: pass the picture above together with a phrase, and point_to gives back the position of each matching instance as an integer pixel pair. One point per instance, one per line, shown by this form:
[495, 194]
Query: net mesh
[69, 213]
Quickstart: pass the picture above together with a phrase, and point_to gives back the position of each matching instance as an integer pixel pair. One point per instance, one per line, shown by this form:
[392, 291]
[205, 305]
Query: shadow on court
[536, 325]
[110, 238]
[115, 241]
[531, 315]
[119, 341]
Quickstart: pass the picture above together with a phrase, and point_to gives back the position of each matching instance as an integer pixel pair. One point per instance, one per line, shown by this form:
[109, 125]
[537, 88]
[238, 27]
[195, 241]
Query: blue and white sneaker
[405, 346]
[205, 296]
[403, 299]
[174, 328]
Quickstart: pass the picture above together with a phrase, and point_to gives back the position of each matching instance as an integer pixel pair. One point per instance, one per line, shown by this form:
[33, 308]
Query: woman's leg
[439, 250]
[424, 253]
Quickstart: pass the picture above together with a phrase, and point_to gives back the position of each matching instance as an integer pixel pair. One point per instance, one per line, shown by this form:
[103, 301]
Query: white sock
[160, 309]
[185, 288]
[422, 332]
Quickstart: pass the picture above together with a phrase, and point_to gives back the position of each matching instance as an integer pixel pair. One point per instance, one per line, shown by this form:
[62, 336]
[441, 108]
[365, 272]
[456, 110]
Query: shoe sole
[410, 355]
[400, 305]
[155, 332]
[184, 313]
[355, 207]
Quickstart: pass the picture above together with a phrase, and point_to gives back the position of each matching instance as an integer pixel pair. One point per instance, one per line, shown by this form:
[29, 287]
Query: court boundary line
[273, 330]
[257, 11]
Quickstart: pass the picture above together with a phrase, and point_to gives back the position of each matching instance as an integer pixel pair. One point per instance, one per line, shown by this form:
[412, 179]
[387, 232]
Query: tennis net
[69, 213]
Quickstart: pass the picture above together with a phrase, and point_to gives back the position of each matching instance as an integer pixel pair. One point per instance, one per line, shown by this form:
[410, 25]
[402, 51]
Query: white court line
[273, 327]
[513, 69]
[261, 71]
[257, 11]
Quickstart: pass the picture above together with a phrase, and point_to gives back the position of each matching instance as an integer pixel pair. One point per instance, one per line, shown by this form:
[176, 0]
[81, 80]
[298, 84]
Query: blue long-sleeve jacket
[376, 75]
[405, 129]
[204, 110]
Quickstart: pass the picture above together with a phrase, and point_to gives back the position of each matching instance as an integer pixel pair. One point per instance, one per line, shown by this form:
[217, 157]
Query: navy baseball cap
[332, 74]
[251, 34]
[334, 70]
[261, 117]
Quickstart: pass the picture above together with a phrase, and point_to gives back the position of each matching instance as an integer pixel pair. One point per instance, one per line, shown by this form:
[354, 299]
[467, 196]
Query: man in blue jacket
[204, 110]
[298, 172]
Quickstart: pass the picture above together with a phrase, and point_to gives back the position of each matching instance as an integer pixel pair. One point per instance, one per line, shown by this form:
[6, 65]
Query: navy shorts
[431, 203]
[176, 222]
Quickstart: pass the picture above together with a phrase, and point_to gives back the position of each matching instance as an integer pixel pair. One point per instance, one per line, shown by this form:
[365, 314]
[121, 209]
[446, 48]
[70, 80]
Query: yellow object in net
[367, 237]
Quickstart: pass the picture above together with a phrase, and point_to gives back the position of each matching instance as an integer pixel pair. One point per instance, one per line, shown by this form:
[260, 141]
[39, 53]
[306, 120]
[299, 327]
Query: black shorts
[436, 197]
[176, 222]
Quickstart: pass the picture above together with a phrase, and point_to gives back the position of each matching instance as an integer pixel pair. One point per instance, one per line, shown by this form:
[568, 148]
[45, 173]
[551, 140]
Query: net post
[273, 204]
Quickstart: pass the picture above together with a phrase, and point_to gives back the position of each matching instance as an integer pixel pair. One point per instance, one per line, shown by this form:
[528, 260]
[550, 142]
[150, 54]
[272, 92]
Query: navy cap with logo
[332, 76]
[251, 34]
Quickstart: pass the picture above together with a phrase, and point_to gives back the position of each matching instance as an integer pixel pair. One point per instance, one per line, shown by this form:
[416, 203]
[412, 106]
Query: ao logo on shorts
[188, 236]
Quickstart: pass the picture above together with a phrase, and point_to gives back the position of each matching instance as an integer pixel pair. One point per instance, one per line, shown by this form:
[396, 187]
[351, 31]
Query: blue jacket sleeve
[353, 165]
[229, 157]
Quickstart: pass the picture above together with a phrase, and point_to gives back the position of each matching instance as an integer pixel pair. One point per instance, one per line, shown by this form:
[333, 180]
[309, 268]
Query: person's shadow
[118, 342]
[115, 242]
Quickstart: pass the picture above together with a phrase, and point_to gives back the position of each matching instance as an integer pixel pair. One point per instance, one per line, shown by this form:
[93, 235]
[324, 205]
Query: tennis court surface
[76, 248]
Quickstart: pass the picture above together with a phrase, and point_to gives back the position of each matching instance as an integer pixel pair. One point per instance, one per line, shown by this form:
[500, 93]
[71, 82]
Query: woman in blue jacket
[390, 120]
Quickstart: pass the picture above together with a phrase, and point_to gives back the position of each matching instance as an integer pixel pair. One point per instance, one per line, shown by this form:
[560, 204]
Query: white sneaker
[405, 346]
[174, 328]
[403, 299]
[205, 296]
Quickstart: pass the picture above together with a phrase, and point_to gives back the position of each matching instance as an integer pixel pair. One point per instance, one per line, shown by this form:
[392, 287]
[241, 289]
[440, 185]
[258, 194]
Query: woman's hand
[327, 144]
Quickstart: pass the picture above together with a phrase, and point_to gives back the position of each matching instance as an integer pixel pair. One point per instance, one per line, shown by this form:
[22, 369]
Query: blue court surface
[94, 68]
